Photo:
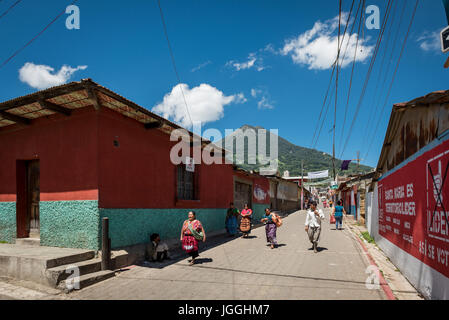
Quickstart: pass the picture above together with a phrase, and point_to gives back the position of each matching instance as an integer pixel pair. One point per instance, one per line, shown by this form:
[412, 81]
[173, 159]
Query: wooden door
[33, 195]
[242, 195]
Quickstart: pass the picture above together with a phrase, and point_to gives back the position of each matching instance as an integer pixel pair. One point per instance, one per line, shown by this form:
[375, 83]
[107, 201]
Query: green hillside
[290, 156]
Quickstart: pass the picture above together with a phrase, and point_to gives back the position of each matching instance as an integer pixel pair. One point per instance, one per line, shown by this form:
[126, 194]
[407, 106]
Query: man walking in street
[313, 224]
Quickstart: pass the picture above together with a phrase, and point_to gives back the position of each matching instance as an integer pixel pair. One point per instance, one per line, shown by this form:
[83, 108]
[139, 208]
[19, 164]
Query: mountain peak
[248, 126]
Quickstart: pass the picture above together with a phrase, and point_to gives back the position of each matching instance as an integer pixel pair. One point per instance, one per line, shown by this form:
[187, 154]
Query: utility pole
[336, 91]
[302, 184]
[358, 162]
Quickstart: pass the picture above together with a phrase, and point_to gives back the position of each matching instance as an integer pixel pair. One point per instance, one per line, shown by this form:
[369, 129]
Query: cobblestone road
[249, 269]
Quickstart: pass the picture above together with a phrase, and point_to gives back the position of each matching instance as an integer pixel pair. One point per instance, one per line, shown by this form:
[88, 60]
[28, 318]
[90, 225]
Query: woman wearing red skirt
[192, 231]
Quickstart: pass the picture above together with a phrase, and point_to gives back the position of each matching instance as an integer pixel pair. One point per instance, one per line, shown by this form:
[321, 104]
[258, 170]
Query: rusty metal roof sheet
[437, 97]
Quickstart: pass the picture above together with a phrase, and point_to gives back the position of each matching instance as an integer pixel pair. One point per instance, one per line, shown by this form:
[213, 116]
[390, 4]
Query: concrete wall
[428, 281]
[133, 226]
[70, 224]
[431, 283]
[372, 218]
[8, 228]
[259, 211]
[410, 259]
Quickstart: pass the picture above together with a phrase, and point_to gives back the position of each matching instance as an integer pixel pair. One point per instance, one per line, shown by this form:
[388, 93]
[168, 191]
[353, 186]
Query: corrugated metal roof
[417, 128]
[436, 97]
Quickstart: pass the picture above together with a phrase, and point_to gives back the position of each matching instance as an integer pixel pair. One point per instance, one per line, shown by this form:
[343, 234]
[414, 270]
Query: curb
[383, 283]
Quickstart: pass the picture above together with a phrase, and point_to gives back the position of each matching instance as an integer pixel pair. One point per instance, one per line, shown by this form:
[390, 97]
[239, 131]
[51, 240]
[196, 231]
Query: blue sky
[240, 62]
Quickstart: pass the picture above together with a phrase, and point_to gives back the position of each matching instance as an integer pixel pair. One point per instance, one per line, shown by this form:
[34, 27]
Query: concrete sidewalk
[399, 285]
[249, 269]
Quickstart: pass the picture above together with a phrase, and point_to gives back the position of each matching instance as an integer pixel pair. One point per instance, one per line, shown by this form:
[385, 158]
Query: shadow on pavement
[203, 260]
[279, 275]
[319, 249]
[178, 254]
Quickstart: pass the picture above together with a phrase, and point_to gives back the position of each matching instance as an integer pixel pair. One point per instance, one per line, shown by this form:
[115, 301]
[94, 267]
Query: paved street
[248, 269]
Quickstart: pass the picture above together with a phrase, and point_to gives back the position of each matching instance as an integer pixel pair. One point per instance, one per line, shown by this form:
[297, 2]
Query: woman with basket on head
[245, 222]
[192, 232]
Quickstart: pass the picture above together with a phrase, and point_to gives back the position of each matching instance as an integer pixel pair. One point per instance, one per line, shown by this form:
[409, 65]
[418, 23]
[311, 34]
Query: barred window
[185, 184]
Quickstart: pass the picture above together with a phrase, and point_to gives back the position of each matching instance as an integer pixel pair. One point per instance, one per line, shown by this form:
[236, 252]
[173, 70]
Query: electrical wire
[173, 60]
[34, 38]
[386, 73]
[352, 73]
[377, 94]
[314, 142]
[395, 72]
[10, 8]
[373, 60]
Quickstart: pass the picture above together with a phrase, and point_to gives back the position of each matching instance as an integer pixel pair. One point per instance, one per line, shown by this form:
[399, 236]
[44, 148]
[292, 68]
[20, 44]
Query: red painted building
[79, 152]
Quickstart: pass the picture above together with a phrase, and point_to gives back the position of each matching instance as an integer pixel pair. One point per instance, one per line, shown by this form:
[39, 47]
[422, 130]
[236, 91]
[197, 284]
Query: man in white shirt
[313, 224]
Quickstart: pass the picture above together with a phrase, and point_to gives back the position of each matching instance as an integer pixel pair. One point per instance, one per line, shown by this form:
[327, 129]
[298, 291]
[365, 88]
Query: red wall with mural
[67, 150]
[139, 173]
[261, 190]
[414, 208]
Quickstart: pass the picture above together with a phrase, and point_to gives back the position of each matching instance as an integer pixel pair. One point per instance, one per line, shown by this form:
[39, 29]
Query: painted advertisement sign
[413, 208]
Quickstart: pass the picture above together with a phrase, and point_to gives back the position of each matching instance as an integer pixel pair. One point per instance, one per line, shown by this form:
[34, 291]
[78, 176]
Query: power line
[352, 71]
[325, 116]
[352, 30]
[388, 68]
[10, 8]
[173, 60]
[373, 60]
[35, 37]
[377, 94]
[322, 107]
[395, 72]
[328, 88]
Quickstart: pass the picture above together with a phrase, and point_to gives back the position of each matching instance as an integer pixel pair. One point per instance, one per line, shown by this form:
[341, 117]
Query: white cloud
[264, 102]
[42, 77]
[253, 61]
[317, 48]
[205, 103]
[254, 92]
[430, 41]
[201, 66]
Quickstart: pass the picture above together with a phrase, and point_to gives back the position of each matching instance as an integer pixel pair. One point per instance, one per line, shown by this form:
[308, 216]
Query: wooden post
[105, 245]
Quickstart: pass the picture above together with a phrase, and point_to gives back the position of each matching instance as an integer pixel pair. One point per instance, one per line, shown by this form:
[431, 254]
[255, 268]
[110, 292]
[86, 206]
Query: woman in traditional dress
[192, 231]
[245, 222]
[270, 227]
[231, 221]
